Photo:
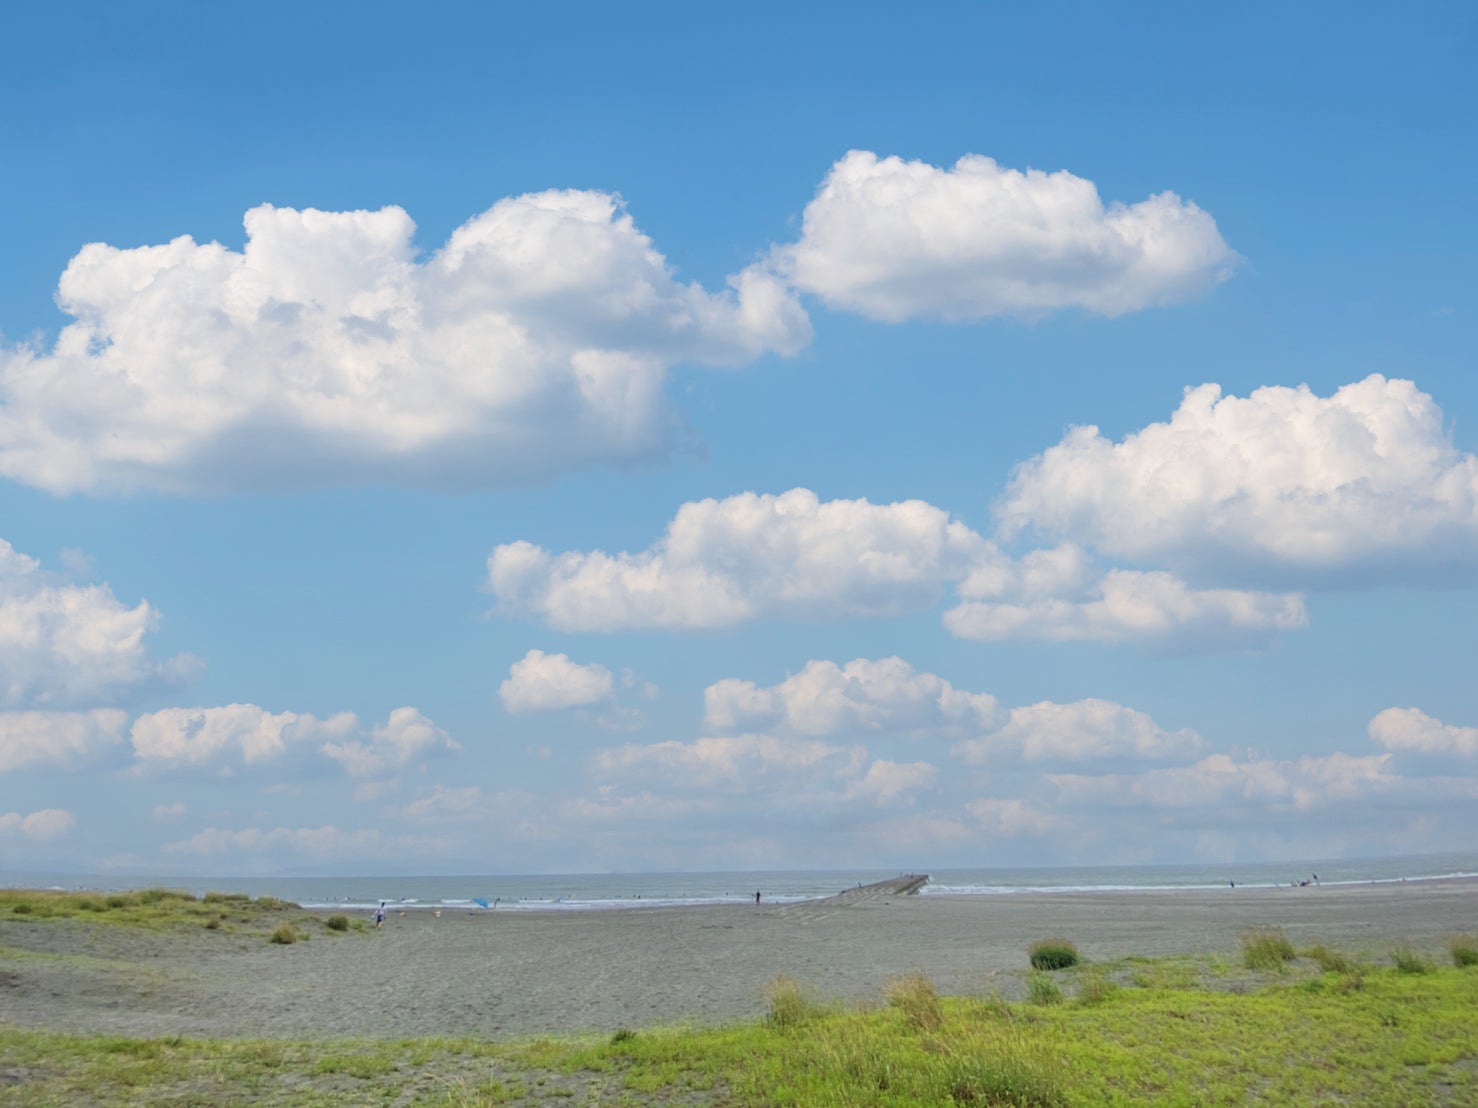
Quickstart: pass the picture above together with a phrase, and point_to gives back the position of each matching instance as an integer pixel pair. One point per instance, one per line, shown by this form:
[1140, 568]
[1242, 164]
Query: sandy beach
[509, 974]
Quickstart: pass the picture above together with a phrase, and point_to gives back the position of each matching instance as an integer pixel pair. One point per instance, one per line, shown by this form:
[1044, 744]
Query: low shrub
[789, 1004]
[1407, 960]
[1266, 948]
[337, 923]
[1330, 961]
[622, 1035]
[22, 909]
[1053, 954]
[213, 924]
[1096, 990]
[285, 934]
[1464, 949]
[1041, 989]
[914, 995]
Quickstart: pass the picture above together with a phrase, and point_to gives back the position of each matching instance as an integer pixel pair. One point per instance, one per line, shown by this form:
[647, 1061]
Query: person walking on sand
[756, 896]
[380, 914]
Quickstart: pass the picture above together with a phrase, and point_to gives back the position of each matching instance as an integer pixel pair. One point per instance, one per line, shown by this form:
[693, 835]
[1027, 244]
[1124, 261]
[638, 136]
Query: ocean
[609, 891]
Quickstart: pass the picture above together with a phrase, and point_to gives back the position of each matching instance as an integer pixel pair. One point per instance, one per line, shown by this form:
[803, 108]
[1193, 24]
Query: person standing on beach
[756, 896]
[380, 914]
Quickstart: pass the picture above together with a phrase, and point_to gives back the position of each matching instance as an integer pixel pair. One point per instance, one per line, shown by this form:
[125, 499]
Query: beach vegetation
[1042, 990]
[789, 1004]
[337, 922]
[1409, 960]
[1330, 960]
[1267, 948]
[285, 934]
[1296, 1039]
[160, 909]
[1053, 954]
[914, 995]
[1464, 950]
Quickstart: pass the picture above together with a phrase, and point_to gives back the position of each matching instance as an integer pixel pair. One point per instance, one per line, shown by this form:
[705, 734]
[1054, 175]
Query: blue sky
[508, 440]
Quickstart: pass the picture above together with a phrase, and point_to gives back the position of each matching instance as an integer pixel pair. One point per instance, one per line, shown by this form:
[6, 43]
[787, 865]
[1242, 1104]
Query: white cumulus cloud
[896, 240]
[65, 645]
[1366, 480]
[63, 740]
[540, 682]
[887, 695]
[236, 737]
[722, 562]
[404, 738]
[1413, 731]
[1082, 731]
[49, 823]
[535, 341]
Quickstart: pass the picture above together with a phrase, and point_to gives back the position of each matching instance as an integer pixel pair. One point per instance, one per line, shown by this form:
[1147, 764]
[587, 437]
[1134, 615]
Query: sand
[510, 974]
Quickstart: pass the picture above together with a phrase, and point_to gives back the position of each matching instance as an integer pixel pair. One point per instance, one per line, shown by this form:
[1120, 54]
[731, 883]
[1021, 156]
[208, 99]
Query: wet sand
[508, 974]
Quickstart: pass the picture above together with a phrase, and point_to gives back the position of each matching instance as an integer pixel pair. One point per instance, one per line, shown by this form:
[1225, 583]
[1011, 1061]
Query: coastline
[502, 975]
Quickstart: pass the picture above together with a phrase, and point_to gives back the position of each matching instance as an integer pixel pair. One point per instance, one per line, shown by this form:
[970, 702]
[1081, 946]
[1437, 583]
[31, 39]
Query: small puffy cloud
[1413, 731]
[404, 738]
[722, 562]
[1014, 817]
[49, 823]
[535, 342]
[887, 695]
[237, 737]
[225, 737]
[540, 682]
[1366, 481]
[737, 764]
[1086, 730]
[897, 240]
[71, 645]
[1220, 783]
[886, 783]
[169, 811]
[58, 740]
[1155, 608]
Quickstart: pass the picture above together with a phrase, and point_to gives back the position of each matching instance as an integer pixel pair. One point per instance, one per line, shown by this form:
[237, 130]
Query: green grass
[1464, 950]
[161, 909]
[1266, 948]
[1297, 1038]
[1053, 954]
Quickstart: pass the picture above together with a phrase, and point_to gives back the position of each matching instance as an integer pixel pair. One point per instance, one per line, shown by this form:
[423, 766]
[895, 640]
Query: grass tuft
[1408, 960]
[1042, 990]
[337, 923]
[1330, 960]
[789, 1004]
[1266, 948]
[914, 995]
[285, 934]
[1053, 954]
[1464, 950]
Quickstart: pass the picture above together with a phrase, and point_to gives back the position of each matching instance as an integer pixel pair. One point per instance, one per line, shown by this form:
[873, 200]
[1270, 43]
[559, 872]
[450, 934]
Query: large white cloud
[1087, 730]
[66, 740]
[793, 555]
[1413, 731]
[897, 240]
[540, 682]
[535, 341]
[1366, 480]
[861, 696]
[72, 645]
[722, 562]
[1133, 606]
[735, 764]
[236, 737]
[406, 737]
[48, 823]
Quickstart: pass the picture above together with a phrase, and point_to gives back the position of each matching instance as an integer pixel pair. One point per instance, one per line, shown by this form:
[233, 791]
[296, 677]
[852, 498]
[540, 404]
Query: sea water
[597, 891]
